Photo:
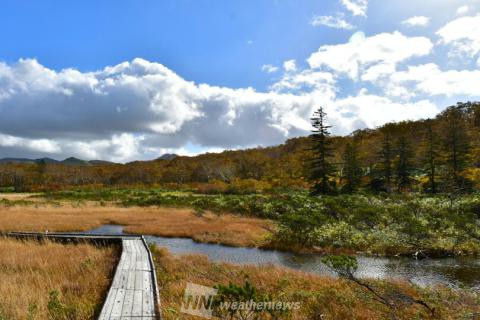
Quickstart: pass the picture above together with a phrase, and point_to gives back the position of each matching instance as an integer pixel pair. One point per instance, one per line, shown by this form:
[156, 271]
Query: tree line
[432, 156]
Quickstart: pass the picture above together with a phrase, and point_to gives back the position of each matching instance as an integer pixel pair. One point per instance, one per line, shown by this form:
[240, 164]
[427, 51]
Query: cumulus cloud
[463, 34]
[369, 110]
[430, 79]
[416, 21]
[140, 109]
[125, 111]
[290, 65]
[306, 82]
[463, 10]
[38, 145]
[384, 50]
[336, 22]
[356, 7]
[269, 68]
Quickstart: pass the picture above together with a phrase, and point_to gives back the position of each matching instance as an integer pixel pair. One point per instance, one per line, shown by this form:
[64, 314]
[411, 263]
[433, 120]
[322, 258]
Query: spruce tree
[352, 172]
[386, 154]
[321, 170]
[403, 164]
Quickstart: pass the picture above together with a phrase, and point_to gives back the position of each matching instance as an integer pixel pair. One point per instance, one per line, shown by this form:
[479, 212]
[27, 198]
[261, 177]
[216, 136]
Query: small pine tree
[403, 164]
[352, 172]
[321, 170]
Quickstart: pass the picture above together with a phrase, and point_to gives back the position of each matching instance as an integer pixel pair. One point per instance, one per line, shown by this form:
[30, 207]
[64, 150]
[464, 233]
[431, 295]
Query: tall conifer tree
[321, 170]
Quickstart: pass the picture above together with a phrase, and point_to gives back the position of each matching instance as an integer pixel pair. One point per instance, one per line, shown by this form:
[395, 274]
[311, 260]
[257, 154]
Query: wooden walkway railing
[134, 291]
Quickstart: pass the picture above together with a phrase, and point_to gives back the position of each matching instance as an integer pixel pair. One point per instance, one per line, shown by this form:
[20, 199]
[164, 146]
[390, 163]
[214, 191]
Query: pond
[459, 272]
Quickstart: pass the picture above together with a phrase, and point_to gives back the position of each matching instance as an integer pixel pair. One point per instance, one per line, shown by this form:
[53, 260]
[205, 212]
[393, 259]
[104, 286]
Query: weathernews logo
[199, 301]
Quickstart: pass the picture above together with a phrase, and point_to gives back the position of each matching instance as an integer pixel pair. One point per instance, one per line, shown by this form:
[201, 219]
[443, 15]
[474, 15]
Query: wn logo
[198, 300]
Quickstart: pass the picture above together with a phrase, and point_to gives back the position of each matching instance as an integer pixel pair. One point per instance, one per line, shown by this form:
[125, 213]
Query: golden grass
[169, 222]
[31, 272]
[320, 297]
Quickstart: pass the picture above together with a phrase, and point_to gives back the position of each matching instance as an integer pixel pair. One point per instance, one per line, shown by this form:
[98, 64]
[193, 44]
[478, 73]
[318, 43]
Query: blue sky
[125, 80]
[218, 42]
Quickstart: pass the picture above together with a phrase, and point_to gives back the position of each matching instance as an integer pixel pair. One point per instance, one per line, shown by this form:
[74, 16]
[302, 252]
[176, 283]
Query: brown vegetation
[53, 281]
[168, 222]
[320, 297]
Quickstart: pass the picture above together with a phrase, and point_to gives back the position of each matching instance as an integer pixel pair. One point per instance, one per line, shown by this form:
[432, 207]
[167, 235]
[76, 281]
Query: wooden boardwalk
[131, 295]
[134, 292]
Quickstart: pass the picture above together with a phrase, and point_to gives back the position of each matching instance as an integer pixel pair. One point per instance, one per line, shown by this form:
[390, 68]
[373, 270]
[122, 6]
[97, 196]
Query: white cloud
[269, 68]
[140, 109]
[127, 111]
[356, 7]
[431, 80]
[463, 34]
[290, 65]
[378, 71]
[463, 10]
[42, 145]
[415, 21]
[336, 22]
[306, 82]
[369, 111]
[362, 53]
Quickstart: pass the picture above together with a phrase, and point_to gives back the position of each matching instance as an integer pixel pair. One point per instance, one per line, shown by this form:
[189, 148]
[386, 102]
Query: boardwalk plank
[148, 308]
[137, 303]
[108, 305]
[118, 304]
[128, 304]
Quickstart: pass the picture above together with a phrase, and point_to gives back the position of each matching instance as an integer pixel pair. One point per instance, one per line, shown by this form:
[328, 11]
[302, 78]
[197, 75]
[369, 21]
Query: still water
[453, 272]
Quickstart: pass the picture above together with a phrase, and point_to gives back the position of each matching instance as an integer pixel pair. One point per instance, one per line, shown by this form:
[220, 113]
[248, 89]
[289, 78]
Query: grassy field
[386, 224]
[53, 281]
[319, 297]
[290, 220]
[169, 222]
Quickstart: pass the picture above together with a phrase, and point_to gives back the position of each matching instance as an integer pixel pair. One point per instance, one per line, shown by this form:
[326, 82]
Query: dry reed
[169, 222]
[46, 280]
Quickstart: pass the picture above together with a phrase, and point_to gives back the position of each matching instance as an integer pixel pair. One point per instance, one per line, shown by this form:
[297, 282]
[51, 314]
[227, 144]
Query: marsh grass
[47, 280]
[321, 297]
[168, 222]
[385, 224]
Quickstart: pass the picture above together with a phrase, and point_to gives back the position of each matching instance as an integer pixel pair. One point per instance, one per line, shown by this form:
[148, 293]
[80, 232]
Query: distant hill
[16, 160]
[168, 156]
[46, 160]
[100, 163]
[72, 161]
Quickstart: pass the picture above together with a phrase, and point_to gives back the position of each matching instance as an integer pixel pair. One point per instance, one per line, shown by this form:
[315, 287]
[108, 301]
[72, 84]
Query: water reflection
[454, 272]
